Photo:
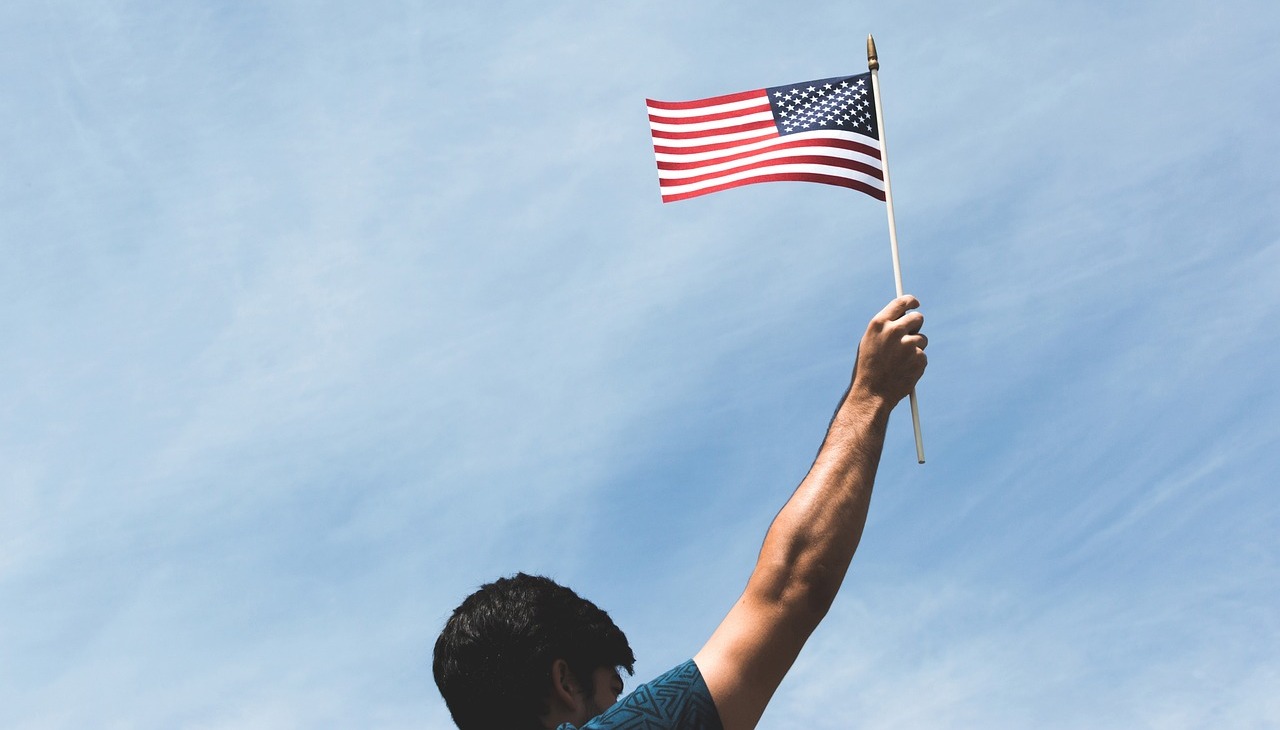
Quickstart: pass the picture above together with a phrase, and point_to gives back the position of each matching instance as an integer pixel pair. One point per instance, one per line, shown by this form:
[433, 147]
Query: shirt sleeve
[677, 700]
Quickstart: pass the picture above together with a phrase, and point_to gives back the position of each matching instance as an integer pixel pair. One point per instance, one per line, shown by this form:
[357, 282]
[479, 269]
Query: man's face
[608, 688]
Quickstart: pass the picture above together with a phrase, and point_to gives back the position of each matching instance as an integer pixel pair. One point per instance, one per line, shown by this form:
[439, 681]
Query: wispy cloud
[315, 320]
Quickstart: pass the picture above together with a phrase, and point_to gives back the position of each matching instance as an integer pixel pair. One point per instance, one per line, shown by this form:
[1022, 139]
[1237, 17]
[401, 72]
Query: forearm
[811, 542]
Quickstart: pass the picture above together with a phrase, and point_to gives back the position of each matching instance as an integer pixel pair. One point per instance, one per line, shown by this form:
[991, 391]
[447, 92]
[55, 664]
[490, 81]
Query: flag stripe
[683, 178]
[676, 186]
[698, 133]
[696, 111]
[667, 161]
[710, 101]
[703, 145]
[694, 119]
[780, 177]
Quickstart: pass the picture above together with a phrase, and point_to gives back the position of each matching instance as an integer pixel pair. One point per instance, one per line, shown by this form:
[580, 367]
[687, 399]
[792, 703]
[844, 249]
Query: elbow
[815, 591]
[798, 579]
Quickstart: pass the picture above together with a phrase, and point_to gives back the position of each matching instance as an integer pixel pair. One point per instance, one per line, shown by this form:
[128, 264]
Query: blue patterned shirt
[678, 700]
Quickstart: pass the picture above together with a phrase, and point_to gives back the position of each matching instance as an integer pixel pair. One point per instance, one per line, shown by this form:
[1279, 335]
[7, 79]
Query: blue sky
[316, 316]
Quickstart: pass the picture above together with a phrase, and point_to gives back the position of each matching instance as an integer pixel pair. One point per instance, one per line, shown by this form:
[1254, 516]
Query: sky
[316, 316]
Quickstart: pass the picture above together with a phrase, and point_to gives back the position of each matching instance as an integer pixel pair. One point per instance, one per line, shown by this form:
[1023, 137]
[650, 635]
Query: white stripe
[815, 169]
[701, 126]
[700, 156]
[769, 155]
[748, 146]
[717, 138]
[698, 111]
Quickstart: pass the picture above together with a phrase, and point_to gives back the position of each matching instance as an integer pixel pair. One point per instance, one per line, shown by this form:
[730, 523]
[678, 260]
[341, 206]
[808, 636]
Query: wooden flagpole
[873, 63]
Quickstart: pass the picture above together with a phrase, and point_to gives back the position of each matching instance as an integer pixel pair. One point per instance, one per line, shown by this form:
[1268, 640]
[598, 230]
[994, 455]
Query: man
[525, 653]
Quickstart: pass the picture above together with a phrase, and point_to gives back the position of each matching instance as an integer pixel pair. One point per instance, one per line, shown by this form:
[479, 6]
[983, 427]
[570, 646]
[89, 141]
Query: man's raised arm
[808, 547]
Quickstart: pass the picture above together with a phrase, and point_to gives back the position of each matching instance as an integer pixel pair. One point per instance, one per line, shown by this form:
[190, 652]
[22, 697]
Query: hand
[891, 356]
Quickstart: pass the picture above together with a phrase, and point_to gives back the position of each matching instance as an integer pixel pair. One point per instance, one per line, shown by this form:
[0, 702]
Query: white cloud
[315, 320]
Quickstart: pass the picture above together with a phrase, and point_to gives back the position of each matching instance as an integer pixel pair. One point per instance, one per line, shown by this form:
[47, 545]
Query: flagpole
[873, 63]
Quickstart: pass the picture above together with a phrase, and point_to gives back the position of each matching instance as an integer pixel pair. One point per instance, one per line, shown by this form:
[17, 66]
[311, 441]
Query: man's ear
[565, 692]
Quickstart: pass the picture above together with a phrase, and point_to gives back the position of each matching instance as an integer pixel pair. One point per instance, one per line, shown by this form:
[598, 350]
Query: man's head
[517, 645]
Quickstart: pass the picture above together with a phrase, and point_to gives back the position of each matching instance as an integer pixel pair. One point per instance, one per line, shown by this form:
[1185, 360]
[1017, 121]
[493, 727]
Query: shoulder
[676, 700]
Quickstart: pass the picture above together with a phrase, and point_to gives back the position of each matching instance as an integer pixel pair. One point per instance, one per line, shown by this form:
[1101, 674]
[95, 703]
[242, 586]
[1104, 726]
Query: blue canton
[843, 102]
[678, 700]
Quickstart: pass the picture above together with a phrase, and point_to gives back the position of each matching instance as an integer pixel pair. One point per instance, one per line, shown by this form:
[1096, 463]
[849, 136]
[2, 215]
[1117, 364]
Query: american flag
[820, 131]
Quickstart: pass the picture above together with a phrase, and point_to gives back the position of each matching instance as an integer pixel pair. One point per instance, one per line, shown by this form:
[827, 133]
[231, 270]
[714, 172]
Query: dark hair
[493, 659]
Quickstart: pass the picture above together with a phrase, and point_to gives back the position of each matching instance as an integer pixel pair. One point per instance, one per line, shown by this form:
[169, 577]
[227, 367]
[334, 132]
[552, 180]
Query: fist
[891, 355]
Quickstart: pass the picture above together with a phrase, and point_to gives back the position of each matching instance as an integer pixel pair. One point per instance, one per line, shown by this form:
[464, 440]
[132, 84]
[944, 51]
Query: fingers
[898, 307]
[910, 322]
[916, 340]
[897, 317]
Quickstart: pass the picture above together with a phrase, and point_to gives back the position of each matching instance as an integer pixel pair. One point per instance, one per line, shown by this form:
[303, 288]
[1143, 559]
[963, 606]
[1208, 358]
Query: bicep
[746, 658]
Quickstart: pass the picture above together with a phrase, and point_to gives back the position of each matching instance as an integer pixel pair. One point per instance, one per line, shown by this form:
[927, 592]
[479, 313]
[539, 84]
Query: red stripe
[726, 99]
[749, 126]
[838, 143]
[712, 147]
[782, 177]
[716, 147]
[796, 160]
[710, 117]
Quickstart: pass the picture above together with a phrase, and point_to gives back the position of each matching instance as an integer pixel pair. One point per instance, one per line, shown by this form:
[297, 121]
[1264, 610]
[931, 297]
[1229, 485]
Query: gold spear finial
[873, 61]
